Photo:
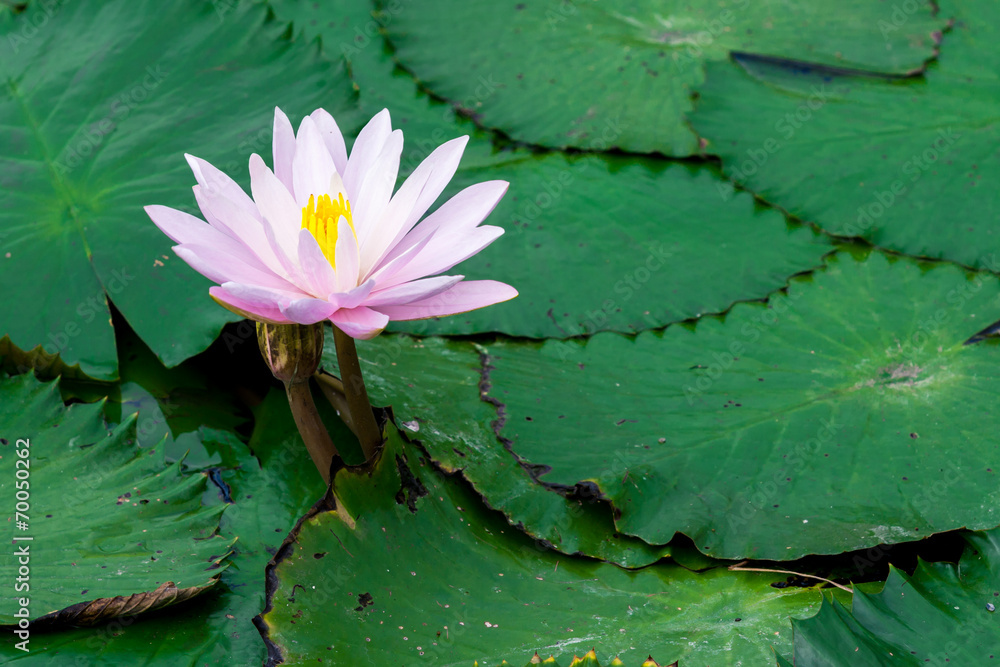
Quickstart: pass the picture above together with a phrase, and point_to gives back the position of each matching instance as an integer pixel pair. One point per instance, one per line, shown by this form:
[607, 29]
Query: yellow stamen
[320, 216]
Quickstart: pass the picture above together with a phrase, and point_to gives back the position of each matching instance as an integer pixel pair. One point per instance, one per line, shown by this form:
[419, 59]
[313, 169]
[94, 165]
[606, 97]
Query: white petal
[389, 268]
[354, 297]
[347, 257]
[411, 291]
[313, 166]
[362, 323]
[464, 211]
[440, 167]
[366, 150]
[283, 147]
[213, 180]
[463, 297]
[315, 267]
[222, 267]
[369, 204]
[443, 251]
[253, 309]
[309, 310]
[412, 200]
[261, 297]
[277, 206]
[182, 227]
[332, 137]
[231, 219]
[289, 263]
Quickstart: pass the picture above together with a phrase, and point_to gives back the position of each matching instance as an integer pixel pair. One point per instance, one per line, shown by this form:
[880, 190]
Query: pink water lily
[324, 238]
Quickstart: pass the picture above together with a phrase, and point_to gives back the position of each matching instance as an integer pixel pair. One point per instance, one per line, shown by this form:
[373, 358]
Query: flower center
[320, 216]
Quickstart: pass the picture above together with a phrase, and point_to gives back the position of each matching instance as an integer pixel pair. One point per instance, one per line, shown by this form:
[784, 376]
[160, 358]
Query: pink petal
[315, 266]
[463, 297]
[313, 166]
[388, 268]
[188, 231]
[283, 147]
[463, 211]
[213, 180]
[353, 297]
[412, 291]
[277, 206]
[366, 150]
[443, 251]
[289, 264]
[262, 296]
[309, 310]
[254, 309]
[233, 221]
[440, 167]
[347, 257]
[413, 199]
[362, 323]
[182, 227]
[332, 137]
[372, 197]
[221, 267]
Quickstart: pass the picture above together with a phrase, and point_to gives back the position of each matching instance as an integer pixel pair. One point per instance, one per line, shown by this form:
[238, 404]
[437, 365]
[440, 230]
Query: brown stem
[333, 389]
[314, 434]
[357, 396]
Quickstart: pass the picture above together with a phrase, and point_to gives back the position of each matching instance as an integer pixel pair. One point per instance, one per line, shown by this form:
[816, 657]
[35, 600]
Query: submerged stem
[739, 568]
[314, 433]
[362, 417]
[333, 390]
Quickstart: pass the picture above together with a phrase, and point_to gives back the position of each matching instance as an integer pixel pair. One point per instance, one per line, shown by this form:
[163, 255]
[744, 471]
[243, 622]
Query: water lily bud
[292, 351]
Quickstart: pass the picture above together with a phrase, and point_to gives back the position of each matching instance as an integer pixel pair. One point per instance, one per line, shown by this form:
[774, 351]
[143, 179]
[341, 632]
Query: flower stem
[314, 433]
[362, 417]
[333, 390]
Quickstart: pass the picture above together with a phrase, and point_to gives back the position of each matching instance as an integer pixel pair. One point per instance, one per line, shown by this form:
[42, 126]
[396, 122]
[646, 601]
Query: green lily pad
[843, 414]
[433, 387]
[914, 177]
[599, 243]
[101, 519]
[348, 30]
[172, 403]
[593, 243]
[595, 76]
[264, 500]
[412, 568]
[100, 104]
[942, 614]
